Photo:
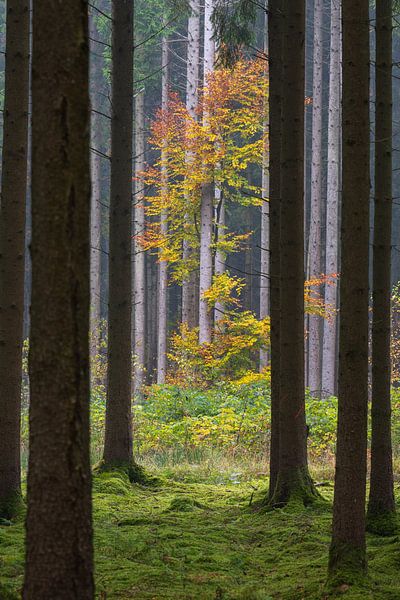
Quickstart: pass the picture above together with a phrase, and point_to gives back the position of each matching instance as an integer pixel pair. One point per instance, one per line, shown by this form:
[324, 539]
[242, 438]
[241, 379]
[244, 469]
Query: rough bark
[163, 265]
[275, 145]
[189, 296]
[314, 246]
[59, 533]
[329, 352]
[293, 481]
[381, 506]
[139, 295]
[12, 250]
[118, 433]
[347, 552]
[220, 260]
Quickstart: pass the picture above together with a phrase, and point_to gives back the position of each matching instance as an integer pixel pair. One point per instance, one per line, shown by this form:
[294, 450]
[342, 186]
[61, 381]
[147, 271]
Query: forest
[199, 299]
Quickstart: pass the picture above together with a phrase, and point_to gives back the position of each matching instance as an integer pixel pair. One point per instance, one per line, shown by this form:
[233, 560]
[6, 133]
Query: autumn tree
[12, 250]
[348, 552]
[59, 560]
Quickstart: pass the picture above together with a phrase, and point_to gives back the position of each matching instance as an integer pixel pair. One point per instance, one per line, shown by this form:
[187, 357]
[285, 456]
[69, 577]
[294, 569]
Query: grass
[194, 536]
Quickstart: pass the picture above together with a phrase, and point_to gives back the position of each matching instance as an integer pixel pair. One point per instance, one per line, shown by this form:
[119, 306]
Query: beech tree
[12, 250]
[381, 506]
[347, 552]
[59, 560]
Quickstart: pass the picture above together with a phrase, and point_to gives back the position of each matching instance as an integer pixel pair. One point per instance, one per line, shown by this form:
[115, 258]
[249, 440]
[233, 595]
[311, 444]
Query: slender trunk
[95, 214]
[332, 208]
[347, 552]
[207, 198]
[314, 247]
[118, 434]
[265, 225]
[381, 506]
[189, 309]
[275, 27]
[220, 261]
[12, 250]
[163, 265]
[59, 562]
[139, 294]
[293, 479]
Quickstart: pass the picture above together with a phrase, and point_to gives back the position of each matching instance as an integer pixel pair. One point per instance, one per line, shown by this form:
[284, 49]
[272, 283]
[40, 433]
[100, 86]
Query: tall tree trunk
[12, 250]
[59, 560]
[314, 247]
[275, 43]
[332, 208]
[381, 506]
[220, 261]
[163, 265]
[265, 225]
[293, 479]
[139, 295]
[207, 198]
[95, 215]
[118, 434]
[347, 553]
[189, 309]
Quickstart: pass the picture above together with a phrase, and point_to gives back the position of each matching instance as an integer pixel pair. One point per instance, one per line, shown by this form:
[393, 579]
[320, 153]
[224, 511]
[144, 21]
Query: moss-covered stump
[134, 472]
[12, 508]
[382, 523]
[293, 486]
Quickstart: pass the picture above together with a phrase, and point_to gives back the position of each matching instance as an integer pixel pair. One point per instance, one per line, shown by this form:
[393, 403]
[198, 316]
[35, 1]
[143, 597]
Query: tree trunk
[220, 261]
[189, 309]
[332, 208]
[12, 250]
[163, 265]
[347, 552]
[275, 30]
[293, 479]
[59, 560]
[139, 295]
[381, 506]
[314, 247]
[118, 434]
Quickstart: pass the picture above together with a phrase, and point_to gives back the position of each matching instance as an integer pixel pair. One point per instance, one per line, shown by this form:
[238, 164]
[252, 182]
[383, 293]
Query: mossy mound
[112, 482]
[185, 504]
[383, 524]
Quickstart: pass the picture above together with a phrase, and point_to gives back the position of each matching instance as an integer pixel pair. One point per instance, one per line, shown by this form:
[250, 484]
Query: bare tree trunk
[118, 435]
[381, 506]
[189, 309]
[220, 261]
[275, 43]
[348, 552]
[265, 226]
[314, 247]
[139, 294]
[59, 562]
[12, 250]
[293, 479]
[163, 265]
[207, 198]
[332, 208]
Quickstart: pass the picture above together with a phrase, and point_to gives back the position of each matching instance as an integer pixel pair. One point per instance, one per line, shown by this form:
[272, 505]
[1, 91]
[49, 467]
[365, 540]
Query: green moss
[347, 565]
[294, 487]
[12, 508]
[184, 504]
[385, 524]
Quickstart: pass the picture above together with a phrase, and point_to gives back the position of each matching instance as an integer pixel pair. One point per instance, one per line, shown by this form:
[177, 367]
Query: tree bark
[347, 552]
[140, 256]
[163, 265]
[220, 260]
[329, 352]
[381, 506]
[314, 247]
[189, 309]
[12, 250]
[118, 433]
[293, 479]
[275, 41]
[59, 560]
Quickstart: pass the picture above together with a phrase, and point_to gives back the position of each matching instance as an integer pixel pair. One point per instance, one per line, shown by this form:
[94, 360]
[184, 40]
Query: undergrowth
[186, 540]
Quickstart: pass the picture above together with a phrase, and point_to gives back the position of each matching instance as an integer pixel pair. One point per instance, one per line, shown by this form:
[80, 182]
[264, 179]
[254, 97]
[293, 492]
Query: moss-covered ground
[186, 540]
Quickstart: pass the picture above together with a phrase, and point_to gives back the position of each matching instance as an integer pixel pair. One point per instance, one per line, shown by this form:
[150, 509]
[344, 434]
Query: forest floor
[187, 540]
